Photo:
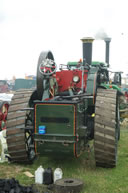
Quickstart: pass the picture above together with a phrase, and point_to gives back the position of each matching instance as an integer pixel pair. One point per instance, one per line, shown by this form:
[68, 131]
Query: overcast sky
[29, 26]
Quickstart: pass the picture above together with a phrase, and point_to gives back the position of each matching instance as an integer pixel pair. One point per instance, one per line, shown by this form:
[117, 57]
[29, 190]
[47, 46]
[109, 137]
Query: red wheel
[3, 114]
[47, 67]
[40, 77]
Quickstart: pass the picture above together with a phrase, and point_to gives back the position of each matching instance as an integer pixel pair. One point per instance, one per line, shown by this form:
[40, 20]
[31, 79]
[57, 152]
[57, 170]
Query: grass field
[96, 180]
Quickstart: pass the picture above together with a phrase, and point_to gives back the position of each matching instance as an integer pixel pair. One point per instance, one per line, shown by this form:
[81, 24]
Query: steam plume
[101, 35]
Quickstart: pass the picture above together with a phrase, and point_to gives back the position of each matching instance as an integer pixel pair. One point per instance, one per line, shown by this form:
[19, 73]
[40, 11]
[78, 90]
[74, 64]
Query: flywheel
[43, 68]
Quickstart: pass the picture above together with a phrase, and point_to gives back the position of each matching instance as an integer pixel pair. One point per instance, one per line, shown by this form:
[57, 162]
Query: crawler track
[16, 124]
[106, 128]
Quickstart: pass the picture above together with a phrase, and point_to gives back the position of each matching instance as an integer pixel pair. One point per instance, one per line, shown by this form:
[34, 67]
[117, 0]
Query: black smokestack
[87, 50]
[107, 41]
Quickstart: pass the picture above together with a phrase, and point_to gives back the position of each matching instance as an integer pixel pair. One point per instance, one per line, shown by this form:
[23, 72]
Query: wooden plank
[107, 91]
[17, 107]
[15, 122]
[104, 140]
[20, 158]
[110, 95]
[105, 148]
[16, 147]
[105, 131]
[105, 157]
[105, 121]
[20, 96]
[108, 161]
[105, 105]
[105, 113]
[14, 131]
[15, 139]
[21, 100]
[111, 100]
[13, 115]
[17, 153]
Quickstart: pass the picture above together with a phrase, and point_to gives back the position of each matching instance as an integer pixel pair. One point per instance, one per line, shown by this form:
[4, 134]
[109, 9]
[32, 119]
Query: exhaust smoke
[102, 35]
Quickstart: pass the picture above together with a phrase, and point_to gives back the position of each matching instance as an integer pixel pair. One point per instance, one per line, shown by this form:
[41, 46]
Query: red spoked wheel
[47, 67]
[42, 70]
[4, 105]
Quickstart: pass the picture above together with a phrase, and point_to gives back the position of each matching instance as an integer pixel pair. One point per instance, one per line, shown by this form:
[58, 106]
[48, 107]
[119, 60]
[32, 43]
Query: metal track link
[105, 134]
[16, 120]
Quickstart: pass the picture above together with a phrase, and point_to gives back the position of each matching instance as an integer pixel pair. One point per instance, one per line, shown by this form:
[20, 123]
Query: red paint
[65, 79]
[126, 95]
[3, 115]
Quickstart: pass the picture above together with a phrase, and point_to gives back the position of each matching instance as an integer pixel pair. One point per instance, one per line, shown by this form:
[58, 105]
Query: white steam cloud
[101, 35]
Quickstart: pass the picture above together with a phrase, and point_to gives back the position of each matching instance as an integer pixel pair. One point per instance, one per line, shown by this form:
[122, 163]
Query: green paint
[111, 86]
[24, 84]
[94, 64]
[59, 122]
[63, 124]
[97, 64]
[72, 63]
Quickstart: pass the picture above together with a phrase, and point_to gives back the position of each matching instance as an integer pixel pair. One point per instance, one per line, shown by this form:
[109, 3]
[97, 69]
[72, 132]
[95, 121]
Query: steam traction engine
[69, 107]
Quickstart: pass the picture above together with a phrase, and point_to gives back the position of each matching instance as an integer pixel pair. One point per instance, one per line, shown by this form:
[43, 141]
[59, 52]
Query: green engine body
[59, 128]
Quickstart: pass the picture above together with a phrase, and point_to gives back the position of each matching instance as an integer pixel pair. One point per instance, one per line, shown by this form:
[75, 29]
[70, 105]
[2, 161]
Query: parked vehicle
[69, 108]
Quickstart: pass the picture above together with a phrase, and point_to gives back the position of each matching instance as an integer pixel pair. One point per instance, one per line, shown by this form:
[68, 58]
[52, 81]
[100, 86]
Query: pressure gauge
[76, 79]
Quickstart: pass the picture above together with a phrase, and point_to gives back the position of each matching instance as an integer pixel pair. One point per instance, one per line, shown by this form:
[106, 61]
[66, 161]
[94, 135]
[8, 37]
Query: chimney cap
[87, 39]
[107, 39]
